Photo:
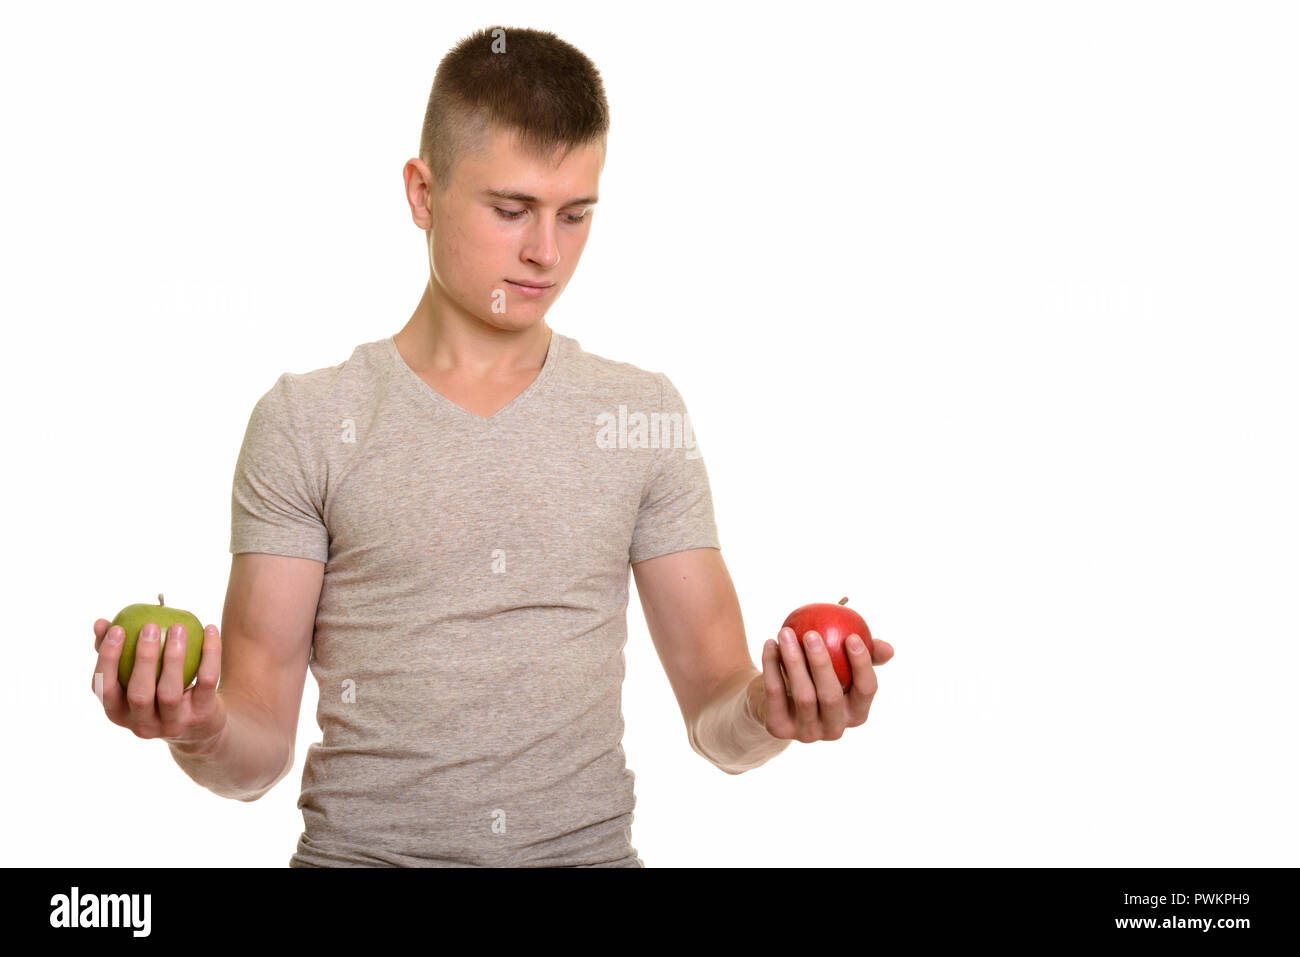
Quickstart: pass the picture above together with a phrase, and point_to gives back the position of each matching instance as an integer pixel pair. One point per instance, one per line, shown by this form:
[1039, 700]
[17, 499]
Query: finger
[204, 695]
[170, 689]
[141, 688]
[864, 686]
[780, 722]
[104, 681]
[802, 689]
[100, 628]
[881, 651]
[830, 695]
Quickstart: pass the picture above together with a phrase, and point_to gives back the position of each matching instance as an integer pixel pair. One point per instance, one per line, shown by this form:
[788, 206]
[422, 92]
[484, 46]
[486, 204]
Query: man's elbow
[257, 795]
[720, 765]
[727, 734]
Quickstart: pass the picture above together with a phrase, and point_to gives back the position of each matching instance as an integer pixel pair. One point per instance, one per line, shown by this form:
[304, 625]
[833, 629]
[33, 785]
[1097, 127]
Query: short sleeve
[275, 506]
[676, 511]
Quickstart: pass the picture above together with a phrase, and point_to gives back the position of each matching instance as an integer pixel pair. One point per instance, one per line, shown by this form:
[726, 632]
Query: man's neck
[447, 342]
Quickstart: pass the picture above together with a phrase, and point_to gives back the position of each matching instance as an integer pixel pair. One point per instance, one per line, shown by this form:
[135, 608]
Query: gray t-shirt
[469, 636]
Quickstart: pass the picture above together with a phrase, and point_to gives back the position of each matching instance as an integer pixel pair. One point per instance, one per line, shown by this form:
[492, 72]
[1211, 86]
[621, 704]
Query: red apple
[834, 623]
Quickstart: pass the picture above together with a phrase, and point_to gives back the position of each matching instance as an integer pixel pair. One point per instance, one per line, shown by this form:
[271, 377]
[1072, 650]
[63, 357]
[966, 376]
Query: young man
[441, 528]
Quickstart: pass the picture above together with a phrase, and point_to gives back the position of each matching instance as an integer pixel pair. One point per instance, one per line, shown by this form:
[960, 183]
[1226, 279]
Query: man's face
[509, 219]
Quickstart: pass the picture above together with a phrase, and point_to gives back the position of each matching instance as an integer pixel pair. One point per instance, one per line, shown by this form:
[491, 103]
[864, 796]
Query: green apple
[134, 617]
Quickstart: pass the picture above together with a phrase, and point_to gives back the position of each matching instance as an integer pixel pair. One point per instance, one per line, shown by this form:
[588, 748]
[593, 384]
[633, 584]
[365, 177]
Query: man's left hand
[811, 705]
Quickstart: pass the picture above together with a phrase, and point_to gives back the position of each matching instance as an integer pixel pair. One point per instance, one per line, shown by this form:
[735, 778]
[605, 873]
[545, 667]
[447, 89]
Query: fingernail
[115, 634]
[856, 643]
[812, 640]
[147, 634]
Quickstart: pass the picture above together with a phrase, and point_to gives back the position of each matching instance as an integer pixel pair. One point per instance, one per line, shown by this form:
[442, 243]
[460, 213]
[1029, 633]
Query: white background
[984, 314]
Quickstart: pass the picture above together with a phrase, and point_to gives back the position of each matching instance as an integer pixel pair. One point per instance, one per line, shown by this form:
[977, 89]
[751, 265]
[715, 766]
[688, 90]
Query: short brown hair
[544, 90]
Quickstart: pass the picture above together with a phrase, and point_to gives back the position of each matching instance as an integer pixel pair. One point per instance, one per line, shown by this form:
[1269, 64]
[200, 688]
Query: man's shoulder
[346, 381]
[599, 370]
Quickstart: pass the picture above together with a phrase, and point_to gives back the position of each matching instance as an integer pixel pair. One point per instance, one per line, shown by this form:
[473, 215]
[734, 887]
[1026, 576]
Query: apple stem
[842, 600]
[160, 601]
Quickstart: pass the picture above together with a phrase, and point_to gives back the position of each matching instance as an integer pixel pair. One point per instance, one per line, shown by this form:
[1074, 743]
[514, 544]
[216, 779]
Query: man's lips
[534, 285]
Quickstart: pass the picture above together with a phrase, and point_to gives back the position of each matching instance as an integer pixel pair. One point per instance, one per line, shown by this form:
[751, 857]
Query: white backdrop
[985, 315]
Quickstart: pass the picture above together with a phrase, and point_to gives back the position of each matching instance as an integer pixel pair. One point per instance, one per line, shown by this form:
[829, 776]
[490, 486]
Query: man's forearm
[246, 759]
[728, 733]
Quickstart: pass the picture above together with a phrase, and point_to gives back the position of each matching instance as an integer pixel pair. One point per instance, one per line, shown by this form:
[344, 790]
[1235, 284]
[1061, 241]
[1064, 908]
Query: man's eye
[515, 214]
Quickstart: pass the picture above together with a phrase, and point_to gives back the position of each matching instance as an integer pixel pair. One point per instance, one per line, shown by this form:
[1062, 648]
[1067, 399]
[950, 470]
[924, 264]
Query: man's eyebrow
[526, 198]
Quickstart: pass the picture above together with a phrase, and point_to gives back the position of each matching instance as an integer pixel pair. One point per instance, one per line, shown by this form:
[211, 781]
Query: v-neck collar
[439, 400]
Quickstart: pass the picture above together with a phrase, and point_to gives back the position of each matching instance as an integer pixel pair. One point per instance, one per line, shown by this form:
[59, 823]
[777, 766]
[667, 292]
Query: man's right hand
[190, 718]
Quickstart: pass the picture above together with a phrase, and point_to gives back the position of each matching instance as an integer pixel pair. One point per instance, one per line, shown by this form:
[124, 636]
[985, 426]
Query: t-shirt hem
[647, 552]
[289, 550]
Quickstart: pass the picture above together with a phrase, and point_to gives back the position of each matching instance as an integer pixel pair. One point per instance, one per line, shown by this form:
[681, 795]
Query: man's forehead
[505, 171]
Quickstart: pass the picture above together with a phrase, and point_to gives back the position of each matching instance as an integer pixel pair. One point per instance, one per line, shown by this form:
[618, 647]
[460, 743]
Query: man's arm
[694, 618]
[267, 627]
[728, 731]
[244, 761]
